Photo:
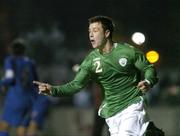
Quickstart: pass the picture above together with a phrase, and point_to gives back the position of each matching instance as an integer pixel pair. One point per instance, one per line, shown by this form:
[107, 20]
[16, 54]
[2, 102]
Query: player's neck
[107, 48]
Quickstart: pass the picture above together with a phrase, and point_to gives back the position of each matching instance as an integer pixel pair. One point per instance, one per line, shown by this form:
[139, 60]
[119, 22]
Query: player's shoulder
[128, 46]
[123, 45]
[128, 49]
[9, 59]
[29, 61]
[89, 57]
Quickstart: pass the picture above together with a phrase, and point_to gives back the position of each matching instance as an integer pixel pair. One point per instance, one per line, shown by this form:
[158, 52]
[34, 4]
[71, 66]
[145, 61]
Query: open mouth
[92, 41]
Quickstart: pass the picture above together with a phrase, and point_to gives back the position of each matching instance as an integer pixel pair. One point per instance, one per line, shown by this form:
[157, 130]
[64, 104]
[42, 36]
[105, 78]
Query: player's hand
[44, 88]
[144, 86]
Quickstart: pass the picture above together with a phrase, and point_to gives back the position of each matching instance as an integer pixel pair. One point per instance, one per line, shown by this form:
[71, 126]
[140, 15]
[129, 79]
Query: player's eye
[95, 30]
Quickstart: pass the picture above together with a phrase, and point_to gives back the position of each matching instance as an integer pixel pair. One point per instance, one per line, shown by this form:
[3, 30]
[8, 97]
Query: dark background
[52, 26]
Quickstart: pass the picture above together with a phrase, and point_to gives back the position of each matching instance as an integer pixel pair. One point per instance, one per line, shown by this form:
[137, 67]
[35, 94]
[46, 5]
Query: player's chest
[111, 64]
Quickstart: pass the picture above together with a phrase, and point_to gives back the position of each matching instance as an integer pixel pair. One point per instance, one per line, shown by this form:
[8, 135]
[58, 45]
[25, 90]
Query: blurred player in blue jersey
[37, 115]
[19, 71]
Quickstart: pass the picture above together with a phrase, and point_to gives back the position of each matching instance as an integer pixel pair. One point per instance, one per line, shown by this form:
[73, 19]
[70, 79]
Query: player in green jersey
[117, 68]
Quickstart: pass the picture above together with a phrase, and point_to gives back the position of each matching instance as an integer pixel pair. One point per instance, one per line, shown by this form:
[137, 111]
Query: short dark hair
[18, 47]
[107, 22]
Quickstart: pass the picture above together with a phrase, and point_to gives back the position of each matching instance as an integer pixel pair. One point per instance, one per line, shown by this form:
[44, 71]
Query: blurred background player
[19, 73]
[38, 113]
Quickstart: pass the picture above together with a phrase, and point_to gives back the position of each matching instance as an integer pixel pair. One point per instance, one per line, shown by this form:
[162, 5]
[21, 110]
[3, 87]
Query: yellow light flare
[152, 56]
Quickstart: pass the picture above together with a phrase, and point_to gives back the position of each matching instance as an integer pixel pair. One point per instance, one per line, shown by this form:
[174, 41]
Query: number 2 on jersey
[98, 66]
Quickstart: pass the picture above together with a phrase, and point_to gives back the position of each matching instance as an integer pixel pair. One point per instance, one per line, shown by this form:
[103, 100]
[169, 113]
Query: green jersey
[117, 72]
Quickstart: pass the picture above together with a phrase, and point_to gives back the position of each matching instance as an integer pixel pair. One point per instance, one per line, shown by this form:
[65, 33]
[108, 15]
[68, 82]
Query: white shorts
[132, 121]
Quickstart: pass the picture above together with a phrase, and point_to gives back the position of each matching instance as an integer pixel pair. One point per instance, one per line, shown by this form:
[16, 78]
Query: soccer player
[19, 74]
[117, 68]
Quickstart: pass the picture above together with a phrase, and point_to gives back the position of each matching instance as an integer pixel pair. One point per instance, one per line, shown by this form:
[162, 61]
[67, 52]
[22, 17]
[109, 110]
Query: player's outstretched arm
[44, 88]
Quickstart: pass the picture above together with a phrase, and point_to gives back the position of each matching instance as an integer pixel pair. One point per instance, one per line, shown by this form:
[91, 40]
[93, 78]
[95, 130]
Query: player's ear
[107, 33]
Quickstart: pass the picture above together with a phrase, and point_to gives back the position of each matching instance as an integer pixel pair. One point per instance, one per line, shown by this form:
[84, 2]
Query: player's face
[97, 35]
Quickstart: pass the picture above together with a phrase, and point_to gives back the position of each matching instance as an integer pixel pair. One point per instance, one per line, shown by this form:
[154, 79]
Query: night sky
[159, 20]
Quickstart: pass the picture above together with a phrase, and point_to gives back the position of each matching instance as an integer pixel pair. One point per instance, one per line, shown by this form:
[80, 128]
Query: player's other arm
[80, 81]
[150, 75]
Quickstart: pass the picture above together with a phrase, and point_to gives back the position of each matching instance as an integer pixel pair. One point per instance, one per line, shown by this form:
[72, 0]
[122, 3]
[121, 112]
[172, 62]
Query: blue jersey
[19, 75]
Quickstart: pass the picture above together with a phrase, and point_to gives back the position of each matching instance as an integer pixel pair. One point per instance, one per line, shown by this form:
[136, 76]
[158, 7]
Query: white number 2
[98, 66]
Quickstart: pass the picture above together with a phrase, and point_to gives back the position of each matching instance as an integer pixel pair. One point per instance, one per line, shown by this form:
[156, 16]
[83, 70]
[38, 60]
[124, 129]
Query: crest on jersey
[123, 62]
